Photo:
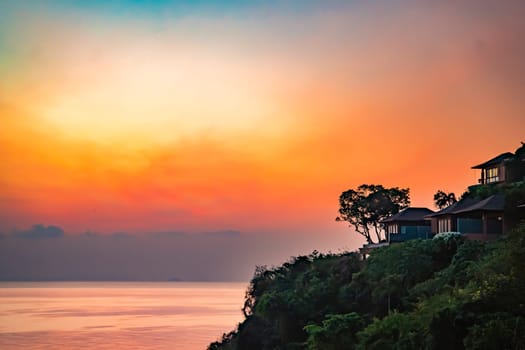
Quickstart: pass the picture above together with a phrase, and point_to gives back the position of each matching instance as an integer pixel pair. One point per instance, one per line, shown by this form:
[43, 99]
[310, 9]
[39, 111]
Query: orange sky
[254, 120]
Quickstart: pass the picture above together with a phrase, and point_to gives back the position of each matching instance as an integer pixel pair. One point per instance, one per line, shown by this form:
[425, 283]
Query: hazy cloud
[40, 231]
[210, 256]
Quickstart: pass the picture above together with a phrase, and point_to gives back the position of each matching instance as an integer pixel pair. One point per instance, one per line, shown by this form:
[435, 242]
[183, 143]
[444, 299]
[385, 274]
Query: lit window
[491, 175]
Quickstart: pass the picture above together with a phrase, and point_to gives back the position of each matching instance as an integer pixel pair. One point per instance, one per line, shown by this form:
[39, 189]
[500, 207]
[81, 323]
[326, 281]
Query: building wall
[440, 224]
[482, 226]
[502, 172]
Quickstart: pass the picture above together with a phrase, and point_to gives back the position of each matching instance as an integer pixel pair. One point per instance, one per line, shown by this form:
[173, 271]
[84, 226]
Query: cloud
[40, 231]
[208, 256]
[362, 93]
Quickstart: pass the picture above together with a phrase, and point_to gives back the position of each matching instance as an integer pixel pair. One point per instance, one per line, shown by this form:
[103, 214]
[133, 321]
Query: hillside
[422, 294]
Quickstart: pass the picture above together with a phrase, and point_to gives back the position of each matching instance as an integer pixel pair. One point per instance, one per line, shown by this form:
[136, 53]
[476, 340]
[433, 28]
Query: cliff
[422, 294]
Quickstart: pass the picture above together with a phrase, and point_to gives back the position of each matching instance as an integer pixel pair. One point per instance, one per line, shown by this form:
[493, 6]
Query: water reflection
[117, 315]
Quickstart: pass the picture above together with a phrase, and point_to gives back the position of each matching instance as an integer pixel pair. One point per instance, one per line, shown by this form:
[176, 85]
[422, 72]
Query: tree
[443, 199]
[367, 206]
[336, 332]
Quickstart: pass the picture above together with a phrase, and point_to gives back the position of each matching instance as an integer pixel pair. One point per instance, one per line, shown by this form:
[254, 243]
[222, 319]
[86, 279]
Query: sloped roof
[495, 202]
[494, 161]
[461, 204]
[410, 214]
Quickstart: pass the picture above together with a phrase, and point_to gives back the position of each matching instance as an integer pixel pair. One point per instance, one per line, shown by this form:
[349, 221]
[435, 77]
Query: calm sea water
[117, 315]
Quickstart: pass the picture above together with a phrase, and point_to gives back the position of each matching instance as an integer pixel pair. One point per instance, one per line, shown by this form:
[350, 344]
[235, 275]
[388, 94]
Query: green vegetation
[443, 199]
[444, 293]
[365, 207]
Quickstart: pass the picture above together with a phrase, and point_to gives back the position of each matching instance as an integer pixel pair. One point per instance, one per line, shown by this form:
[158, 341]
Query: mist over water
[117, 315]
[35, 255]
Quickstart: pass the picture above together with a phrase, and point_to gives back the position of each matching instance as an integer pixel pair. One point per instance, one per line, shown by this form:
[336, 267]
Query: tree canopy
[443, 199]
[441, 293]
[365, 208]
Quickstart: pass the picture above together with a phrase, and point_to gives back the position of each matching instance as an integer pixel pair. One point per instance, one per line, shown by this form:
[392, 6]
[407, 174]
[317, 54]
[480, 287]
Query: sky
[201, 117]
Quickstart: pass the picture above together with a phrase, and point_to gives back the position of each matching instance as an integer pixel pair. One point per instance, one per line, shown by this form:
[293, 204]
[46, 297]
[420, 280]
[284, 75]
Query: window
[470, 225]
[443, 225]
[392, 228]
[415, 230]
[491, 175]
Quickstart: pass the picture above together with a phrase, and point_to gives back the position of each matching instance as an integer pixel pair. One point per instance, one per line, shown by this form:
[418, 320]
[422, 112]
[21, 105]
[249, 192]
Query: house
[477, 215]
[485, 217]
[504, 168]
[409, 223]
[495, 169]
[482, 219]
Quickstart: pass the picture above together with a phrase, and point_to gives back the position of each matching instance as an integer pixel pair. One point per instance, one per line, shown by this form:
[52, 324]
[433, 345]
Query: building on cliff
[492, 207]
[487, 210]
[505, 168]
[481, 219]
[409, 223]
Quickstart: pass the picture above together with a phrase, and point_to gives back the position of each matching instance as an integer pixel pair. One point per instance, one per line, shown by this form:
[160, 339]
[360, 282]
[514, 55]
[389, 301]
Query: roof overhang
[494, 161]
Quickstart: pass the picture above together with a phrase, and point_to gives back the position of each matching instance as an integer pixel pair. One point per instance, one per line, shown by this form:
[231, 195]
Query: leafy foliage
[443, 199]
[424, 294]
[336, 332]
[365, 207]
[395, 331]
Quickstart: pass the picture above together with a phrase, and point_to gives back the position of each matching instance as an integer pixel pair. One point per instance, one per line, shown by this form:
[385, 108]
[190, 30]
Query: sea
[117, 315]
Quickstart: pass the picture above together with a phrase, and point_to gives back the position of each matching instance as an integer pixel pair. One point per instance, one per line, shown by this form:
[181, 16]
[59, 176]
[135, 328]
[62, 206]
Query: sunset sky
[203, 116]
